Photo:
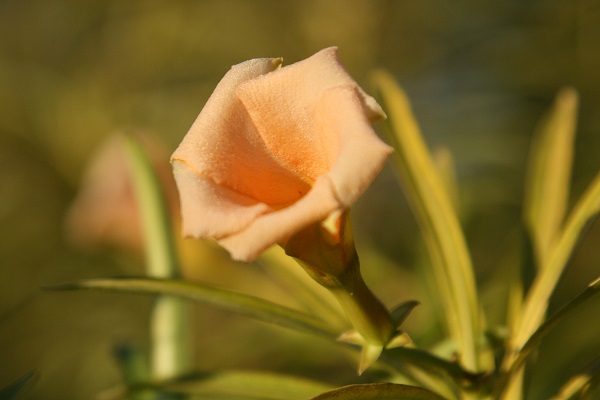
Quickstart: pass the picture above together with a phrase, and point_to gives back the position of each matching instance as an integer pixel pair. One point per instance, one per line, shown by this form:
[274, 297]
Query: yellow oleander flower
[276, 150]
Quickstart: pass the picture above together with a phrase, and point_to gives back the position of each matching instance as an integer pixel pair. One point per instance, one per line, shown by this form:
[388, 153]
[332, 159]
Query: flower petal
[224, 145]
[211, 210]
[278, 226]
[283, 103]
[357, 154]
[104, 211]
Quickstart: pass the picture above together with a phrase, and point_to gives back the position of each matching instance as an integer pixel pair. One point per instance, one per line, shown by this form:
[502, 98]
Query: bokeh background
[480, 74]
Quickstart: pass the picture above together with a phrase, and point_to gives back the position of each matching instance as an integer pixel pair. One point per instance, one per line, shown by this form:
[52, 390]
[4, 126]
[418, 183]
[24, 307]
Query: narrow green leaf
[444, 162]
[250, 306]
[591, 390]
[535, 340]
[314, 297]
[537, 300]
[402, 356]
[161, 253]
[438, 220]
[242, 385]
[14, 390]
[170, 329]
[574, 386]
[548, 177]
[379, 391]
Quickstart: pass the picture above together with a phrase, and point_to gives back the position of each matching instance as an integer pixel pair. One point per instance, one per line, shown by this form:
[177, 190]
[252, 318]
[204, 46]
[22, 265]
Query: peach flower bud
[276, 150]
[105, 211]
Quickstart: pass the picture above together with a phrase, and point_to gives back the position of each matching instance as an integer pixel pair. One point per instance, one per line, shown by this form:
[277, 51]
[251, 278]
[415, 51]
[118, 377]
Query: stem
[368, 315]
[169, 326]
[330, 259]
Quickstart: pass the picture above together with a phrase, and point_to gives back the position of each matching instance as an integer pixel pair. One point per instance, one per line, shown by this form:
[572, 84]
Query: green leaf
[581, 385]
[250, 306]
[547, 194]
[548, 177]
[444, 162]
[437, 218]
[379, 391]
[19, 386]
[537, 300]
[591, 390]
[161, 253]
[315, 298]
[433, 370]
[241, 385]
[574, 386]
[170, 329]
[535, 340]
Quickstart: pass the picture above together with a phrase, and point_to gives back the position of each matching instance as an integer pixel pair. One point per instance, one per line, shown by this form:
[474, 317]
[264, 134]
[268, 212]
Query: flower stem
[329, 257]
[170, 329]
[368, 315]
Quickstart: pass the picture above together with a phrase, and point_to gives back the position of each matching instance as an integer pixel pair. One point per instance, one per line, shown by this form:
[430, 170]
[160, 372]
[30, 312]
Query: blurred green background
[480, 73]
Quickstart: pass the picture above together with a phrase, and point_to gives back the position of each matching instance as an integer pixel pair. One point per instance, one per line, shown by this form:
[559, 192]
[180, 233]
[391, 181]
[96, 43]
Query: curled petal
[283, 106]
[278, 226]
[358, 153]
[355, 154]
[223, 144]
[211, 210]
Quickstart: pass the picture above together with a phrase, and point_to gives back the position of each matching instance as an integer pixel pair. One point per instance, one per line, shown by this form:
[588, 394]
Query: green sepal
[402, 311]
[370, 352]
[400, 339]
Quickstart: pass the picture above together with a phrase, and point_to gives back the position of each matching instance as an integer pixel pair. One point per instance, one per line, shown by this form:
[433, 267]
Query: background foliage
[479, 73]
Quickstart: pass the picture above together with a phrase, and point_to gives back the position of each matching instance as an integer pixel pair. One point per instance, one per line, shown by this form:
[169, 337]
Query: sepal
[371, 352]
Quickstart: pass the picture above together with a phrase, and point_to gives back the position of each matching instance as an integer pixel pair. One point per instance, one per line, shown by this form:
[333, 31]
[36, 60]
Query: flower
[276, 150]
[105, 211]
